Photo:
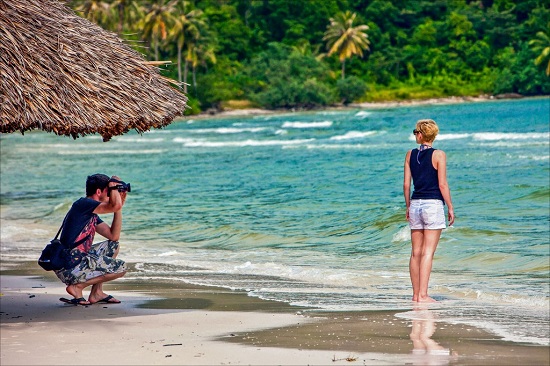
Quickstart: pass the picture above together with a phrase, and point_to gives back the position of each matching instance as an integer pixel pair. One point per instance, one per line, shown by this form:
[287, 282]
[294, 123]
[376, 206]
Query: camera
[122, 186]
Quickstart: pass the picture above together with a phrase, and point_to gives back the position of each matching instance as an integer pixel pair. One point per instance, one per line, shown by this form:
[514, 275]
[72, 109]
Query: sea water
[307, 208]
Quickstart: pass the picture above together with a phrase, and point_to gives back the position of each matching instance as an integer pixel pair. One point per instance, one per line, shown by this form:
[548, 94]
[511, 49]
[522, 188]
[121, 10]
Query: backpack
[55, 255]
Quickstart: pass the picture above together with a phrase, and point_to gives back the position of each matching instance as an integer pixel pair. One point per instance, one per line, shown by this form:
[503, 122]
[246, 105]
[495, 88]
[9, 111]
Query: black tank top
[424, 175]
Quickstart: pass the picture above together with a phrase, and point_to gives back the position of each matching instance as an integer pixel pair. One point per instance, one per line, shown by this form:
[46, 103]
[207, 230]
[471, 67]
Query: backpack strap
[62, 224]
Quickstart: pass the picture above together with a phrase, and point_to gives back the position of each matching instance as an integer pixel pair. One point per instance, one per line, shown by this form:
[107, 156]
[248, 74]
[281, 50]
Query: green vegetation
[344, 39]
[314, 53]
[542, 44]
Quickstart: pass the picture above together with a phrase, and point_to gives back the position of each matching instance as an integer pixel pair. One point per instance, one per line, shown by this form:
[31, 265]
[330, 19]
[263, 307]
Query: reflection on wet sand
[427, 351]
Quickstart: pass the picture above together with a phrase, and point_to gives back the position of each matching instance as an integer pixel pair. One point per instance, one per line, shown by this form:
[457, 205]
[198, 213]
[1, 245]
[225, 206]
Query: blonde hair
[428, 128]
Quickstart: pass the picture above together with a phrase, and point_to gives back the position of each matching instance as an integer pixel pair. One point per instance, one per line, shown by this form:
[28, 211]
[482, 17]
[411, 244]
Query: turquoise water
[307, 208]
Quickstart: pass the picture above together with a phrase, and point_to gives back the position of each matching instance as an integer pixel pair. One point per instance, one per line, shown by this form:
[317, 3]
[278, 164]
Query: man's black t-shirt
[79, 229]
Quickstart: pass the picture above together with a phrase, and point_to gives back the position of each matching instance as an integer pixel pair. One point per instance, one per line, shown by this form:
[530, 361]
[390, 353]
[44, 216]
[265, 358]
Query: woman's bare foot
[426, 299]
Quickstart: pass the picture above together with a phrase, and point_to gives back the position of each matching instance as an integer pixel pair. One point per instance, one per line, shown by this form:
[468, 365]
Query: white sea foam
[228, 130]
[508, 334]
[510, 144]
[167, 254]
[247, 264]
[184, 140]
[322, 124]
[138, 139]
[353, 135]
[338, 146]
[113, 152]
[363, 114]
[197, 143]
[327, 277]
[541, 302]
[537, 158]
[328, 113]
[158, 131]
[451, 136]
[43, 148]
[403, 235]
[493, 136]
[9, 230]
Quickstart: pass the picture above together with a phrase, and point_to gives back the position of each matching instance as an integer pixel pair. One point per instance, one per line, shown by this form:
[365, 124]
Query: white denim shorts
[427, 214]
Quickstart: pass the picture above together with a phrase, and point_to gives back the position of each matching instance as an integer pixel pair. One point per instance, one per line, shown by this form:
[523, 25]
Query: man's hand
[123, 196]
[112, 181]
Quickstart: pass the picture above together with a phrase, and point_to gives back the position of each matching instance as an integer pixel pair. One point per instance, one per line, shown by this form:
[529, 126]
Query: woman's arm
[407, 182]
[440, 162]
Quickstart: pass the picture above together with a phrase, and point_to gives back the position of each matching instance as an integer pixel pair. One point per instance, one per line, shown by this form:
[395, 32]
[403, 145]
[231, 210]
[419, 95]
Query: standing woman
[427, 167]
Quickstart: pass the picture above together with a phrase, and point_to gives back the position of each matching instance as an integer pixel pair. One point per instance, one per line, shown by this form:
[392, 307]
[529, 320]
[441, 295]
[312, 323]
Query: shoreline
[246, 112]
[188, 324]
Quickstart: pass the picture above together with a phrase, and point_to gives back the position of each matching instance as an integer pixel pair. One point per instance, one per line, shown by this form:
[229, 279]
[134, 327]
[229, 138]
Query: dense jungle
[234, 54]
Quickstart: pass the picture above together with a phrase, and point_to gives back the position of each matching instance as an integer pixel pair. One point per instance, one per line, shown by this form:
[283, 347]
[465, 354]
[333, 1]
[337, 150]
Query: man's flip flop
[75, 301]
[108, 300]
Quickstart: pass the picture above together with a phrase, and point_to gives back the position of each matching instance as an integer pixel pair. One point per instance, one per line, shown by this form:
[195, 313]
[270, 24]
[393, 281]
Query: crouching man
[93, 264]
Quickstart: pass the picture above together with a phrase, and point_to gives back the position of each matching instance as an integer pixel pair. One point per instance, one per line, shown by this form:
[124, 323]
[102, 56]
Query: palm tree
[158, 18]
[304, 48]
[199, 53]
[542, 44]
[186, 31]
[96, 11]
[345, 39]
[122, 8]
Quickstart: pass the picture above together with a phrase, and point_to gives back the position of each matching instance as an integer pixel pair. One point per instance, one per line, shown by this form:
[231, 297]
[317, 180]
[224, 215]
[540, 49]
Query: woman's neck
[425, 146]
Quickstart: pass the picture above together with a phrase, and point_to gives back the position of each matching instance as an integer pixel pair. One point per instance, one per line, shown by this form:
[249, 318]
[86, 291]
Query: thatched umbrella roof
[63, 74]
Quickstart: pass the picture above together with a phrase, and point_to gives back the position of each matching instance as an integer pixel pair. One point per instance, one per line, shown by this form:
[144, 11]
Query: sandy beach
[229, 112]
[175, 324]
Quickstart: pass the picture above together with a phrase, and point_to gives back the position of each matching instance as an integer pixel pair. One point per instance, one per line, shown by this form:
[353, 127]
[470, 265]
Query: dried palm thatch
[63, 74]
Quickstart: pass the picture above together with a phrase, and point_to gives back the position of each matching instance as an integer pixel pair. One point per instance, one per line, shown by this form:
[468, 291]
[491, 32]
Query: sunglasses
[415, 131]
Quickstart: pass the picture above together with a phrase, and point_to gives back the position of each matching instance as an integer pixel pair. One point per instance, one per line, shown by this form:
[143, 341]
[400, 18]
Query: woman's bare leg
[431, 239]
[417, 239]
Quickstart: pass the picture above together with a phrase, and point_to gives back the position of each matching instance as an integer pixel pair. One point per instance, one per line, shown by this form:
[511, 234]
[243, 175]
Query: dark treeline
[314, 53]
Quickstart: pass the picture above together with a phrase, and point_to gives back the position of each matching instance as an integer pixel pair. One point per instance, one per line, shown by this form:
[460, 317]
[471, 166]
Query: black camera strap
[62, 224]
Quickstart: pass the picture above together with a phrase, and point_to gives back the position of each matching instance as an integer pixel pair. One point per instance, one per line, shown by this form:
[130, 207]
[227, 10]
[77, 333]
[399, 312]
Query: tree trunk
[185, 69]
[179, 64]
[120, 18]
[343, 69]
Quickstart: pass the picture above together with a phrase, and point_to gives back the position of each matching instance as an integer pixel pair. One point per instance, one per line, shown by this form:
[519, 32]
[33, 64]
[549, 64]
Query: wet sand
[180, 324]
